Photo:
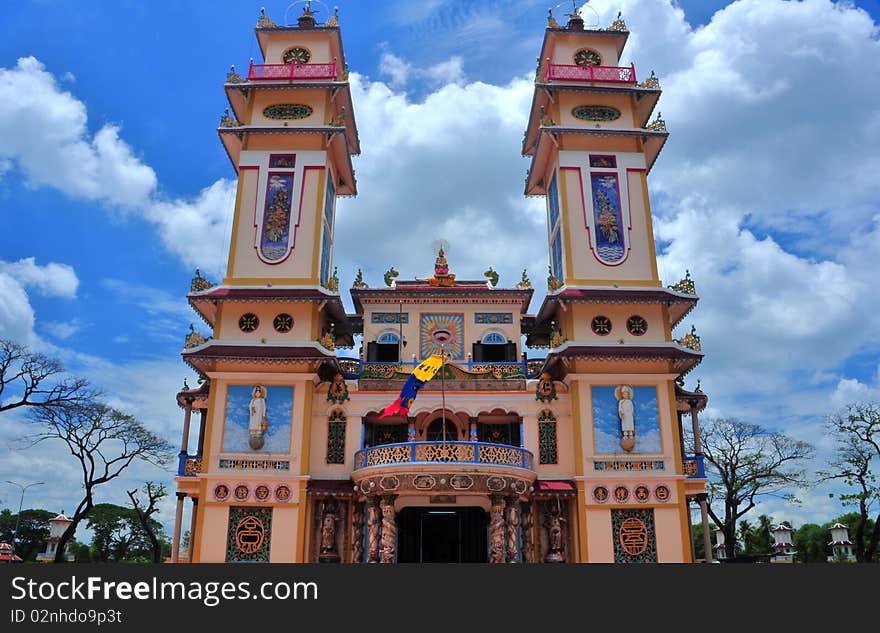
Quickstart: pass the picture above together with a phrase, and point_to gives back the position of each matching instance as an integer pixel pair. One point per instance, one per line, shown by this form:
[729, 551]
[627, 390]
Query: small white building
[57, 526]
[841, 546]
[719, 552]
[783, 548]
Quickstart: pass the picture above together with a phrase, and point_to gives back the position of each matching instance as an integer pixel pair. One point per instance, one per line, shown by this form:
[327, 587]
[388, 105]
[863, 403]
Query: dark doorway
[442, 535]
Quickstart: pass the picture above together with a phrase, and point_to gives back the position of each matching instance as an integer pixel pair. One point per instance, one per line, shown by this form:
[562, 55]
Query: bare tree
[104, 441]
[857, 431]
[155, 493]
[35, 380]
[747, 462]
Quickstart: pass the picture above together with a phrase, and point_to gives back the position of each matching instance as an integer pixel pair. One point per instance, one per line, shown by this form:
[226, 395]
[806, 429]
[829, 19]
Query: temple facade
[551, 434]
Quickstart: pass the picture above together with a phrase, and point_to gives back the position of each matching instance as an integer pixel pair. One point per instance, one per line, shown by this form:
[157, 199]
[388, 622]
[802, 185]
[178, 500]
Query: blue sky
[113, 180]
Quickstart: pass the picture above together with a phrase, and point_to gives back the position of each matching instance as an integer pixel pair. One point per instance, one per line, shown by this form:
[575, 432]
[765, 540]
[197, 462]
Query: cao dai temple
[573, 456]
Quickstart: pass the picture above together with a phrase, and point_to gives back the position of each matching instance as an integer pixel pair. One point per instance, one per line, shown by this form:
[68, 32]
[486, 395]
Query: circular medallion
[636, 325]
[621, 494]
[261, 492]
[282, 493]
[661, 493]
[221, 492]
[248, 322]
[282, 323]
[641, 493]
[633, 536]
[287, 111]
[595, 113]
[587, 57]
[601, 325]
[600, 494]
[296, 55]
[241, 492]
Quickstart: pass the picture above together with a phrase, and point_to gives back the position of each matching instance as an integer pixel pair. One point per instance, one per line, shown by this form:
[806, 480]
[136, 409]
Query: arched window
[435, 431]
[385, 349]
[494, 348]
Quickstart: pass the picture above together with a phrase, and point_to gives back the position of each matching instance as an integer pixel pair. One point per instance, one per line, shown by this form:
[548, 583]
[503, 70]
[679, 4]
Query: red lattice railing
[268, 72]
[609, 74]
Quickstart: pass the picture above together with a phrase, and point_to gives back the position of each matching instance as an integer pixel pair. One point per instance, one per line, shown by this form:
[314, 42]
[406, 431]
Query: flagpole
[443, 388]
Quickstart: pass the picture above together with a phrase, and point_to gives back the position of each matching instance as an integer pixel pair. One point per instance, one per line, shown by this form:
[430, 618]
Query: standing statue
[555, 524]
[626, 411]
[257, 423]
[527, 543]
[357, 538]
[329, 519]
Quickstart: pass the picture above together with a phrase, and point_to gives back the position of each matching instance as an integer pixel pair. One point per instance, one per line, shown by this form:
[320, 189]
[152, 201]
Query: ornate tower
[276, 318]
[607, 319]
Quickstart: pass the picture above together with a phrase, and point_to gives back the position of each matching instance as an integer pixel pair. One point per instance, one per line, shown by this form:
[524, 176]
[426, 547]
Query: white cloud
[58, 280]
[394, 67]
[62, 329]
[44, 133]
[16, 313]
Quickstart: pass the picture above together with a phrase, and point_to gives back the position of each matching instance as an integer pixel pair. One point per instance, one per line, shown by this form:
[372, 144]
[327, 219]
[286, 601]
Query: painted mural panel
[258, 418]
[626, 419]
[610, 232]
[249, 534]
[444, 331]
[635, 540]
[275, 231]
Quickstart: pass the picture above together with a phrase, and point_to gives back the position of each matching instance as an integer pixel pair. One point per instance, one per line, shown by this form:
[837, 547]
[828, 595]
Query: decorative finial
[389, 276]
[199, 283]
[185, 384]
[553, 284]
[264, 22]
[359, 280]
[651, 82]
[551, 21]
[524, 282]
[575, 21]
[233, 77]
[618, 24]
[658, 124]
[697, 388]
[492, 276]
[332, 283]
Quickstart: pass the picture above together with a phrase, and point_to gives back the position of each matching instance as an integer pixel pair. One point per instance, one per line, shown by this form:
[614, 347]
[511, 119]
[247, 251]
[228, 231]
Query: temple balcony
[594, 74]
[355, 369]
[693, 467]
[451, 456]
[189, 465]
[292, 72]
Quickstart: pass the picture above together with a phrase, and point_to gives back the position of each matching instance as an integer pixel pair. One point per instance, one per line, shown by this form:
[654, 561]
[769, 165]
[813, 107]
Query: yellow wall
[316, 42]
[569, 100]
[314, 98]
[567, 46]
[302, 313]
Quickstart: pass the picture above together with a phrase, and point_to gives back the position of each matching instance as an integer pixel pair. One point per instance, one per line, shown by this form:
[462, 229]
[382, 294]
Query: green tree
[104, 441]
[761, 538]
[118, 535]
[745, 462]
[851, 520]
[856, 429]
[811, 543]
[33, 530]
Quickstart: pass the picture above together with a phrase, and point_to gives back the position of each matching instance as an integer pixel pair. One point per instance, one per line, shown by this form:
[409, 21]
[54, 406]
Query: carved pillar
[192, 528]
[707, 535]
[389, 529]
[357, 537]
[496, 529]
[373, 525]
[695, 425]
[512, 532]
[187, 416]
[528, 545]
[178, 521]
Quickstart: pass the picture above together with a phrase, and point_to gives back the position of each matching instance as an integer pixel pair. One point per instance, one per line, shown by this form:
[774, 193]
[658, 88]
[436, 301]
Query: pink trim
[269, 72]
[292, 240]
[256, 200]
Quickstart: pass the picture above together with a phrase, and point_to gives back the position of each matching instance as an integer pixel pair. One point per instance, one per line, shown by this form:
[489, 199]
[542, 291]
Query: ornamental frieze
[441, 483]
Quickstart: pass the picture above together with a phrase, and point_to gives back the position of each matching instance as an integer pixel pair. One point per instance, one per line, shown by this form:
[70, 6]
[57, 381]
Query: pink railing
[609, 74]
[264, 72]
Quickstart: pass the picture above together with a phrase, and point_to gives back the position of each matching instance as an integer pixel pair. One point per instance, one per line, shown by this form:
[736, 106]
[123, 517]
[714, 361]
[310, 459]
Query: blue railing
[188, 465]
[444, 452]
[693, 467]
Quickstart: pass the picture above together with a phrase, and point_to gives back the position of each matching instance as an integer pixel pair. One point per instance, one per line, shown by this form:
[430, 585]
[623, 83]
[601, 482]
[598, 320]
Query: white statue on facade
[626, 411]
[257, 423]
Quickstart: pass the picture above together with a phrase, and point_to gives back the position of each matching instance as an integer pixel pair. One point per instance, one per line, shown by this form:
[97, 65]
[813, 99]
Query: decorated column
[357, 536]
[374, 523]
[389, 529]
[496, 530]
[512, 529]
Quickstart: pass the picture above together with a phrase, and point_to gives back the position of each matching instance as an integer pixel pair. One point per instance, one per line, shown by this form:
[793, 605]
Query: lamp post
[18, 516]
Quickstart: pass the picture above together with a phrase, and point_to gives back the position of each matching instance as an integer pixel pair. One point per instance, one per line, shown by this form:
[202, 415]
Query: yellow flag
[428, 368]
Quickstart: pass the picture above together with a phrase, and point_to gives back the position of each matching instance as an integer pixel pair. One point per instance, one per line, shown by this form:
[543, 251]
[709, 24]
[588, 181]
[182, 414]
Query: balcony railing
[282, 72]
[189, 465]
[605, 74]
[354, 368]
[444, 452]
[693, 467]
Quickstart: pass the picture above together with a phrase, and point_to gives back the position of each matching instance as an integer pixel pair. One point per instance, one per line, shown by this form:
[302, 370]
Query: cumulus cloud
[53, 279]
[44, 133]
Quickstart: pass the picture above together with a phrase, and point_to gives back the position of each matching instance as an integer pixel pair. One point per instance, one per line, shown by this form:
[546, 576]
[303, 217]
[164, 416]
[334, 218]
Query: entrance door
[442, 535]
